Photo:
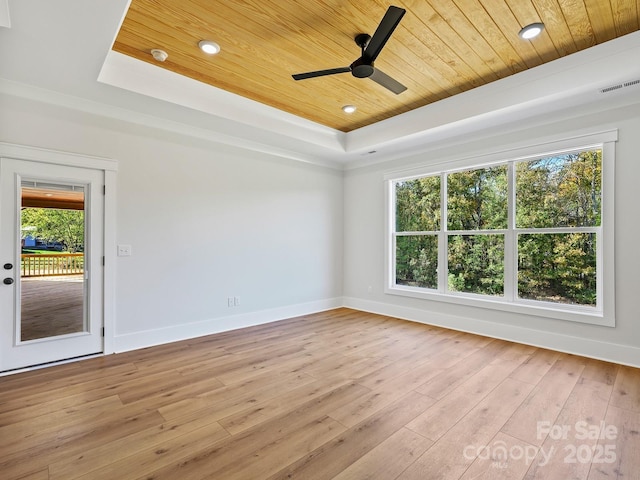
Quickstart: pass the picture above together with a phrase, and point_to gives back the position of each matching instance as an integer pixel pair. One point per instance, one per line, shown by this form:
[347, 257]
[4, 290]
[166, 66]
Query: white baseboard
[610, 352]
[149, 338]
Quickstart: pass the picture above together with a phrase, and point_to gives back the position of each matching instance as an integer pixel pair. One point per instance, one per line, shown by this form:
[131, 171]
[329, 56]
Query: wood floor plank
[626, 392]
[186, 360]
[266, 410]
[158, 390]
[75, 439]
[405, 349]
[585, 409]
[407, 360]
[366, 346]
[339, 395]
[446, 458]
[169, 451]
[22, 435]
[296, 331]
[624, 445]
[386, 390]
[233, 362]
[36, 389]
[243, 444]
[358, 367]
[269, 458]
[452, 377]
[338, 454]
[503, 458]
[546, 400]
[440, 417]
[298, 362]
[229, 400]
[44, 404]
[103, 454]
[39, 475]
[359, 410]
[389, 459]
[536, 366]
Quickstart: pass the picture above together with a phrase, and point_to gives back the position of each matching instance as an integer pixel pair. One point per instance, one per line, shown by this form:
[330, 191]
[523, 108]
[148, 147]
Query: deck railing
[35, 265]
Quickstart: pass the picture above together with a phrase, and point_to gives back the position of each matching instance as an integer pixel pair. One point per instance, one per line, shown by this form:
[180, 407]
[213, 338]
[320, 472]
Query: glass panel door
[52, 275]
[51, 251]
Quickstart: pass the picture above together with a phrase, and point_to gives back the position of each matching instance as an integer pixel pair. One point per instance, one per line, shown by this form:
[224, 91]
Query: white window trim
[603, 314]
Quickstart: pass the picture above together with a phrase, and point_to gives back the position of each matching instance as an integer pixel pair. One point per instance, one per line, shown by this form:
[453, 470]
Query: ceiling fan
[371, 48]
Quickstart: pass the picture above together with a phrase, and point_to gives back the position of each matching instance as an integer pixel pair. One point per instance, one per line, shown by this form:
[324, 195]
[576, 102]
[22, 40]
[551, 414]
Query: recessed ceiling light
[349, 108]
[209, 47]
[159, 55]
[531, 31]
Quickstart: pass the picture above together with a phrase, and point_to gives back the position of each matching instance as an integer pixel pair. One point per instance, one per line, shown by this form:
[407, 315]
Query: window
[524, 235]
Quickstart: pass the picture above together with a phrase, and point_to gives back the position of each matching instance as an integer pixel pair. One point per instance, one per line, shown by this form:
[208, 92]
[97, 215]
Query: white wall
[364, 245]
[205, 222]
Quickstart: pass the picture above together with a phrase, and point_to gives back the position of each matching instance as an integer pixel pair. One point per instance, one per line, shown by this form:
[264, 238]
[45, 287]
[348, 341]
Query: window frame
[604, 311]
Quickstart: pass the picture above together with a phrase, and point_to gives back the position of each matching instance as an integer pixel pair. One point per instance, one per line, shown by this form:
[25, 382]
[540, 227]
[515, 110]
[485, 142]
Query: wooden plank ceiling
[441, 47]
[52, 198]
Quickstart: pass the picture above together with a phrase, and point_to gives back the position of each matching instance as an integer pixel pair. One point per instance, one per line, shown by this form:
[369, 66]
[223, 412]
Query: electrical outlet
[124, 250]
[229, 301]
[236, 301]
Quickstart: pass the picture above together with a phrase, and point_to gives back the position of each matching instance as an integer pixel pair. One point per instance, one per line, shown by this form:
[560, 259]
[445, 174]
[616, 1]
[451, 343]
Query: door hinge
[103, 331]
[103, 260]
[104, 189]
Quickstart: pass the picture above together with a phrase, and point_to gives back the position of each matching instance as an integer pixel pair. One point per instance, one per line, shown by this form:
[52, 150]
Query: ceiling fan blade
[320, 73]
[388, 24]
[387, 82]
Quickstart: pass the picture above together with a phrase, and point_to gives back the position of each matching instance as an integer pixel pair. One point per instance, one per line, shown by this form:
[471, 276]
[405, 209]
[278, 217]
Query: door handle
[8, 266]
[7, 281]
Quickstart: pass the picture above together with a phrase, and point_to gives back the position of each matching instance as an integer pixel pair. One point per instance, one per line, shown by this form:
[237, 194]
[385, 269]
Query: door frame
[110, 168]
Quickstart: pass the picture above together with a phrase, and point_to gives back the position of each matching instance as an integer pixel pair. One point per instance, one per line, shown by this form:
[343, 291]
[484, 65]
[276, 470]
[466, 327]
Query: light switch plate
[124, 250]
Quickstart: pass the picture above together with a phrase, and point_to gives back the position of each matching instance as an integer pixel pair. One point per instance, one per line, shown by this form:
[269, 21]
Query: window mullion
[392, 232]
[443, 263]
[510, 240]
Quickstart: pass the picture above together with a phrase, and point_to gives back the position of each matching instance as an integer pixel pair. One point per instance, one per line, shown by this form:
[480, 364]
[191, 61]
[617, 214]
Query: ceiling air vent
[618, 86]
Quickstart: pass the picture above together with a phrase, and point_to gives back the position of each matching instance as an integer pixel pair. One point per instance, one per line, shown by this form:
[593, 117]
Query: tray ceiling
[440, 48]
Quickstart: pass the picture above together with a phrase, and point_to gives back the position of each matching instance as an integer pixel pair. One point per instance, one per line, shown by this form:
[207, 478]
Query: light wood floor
[337, 395]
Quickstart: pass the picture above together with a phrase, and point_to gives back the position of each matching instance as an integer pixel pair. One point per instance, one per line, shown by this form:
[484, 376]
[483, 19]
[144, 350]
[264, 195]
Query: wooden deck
[51, 306]
[337, 395]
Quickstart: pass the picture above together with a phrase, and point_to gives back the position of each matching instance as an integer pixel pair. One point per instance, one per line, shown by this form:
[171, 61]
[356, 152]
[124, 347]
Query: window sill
[571, 313]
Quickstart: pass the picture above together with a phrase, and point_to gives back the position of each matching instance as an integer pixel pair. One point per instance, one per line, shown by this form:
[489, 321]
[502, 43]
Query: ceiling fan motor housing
[361, 68]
